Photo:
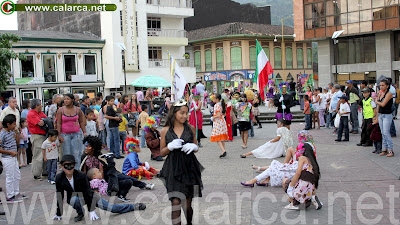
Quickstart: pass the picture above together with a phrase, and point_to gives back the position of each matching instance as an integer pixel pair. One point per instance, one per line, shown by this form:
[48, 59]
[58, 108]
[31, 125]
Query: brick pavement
[345, 168]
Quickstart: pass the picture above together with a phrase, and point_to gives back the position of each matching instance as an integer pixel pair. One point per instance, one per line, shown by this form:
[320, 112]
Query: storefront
[217, 82]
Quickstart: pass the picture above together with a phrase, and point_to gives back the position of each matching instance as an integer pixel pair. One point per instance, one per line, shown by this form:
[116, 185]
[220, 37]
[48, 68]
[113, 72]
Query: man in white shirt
[11, 109]
[201, 90]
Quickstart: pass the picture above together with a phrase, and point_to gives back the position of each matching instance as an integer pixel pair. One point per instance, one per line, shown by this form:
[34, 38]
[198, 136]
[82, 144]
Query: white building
[56, 62]
[148, 30]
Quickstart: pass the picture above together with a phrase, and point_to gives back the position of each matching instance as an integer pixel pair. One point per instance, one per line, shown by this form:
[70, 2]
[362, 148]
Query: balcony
[154, 32]
[165, 63]
[171, 3]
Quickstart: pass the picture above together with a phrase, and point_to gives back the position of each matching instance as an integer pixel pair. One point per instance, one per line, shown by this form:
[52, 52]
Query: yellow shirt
[143, 116]
[122, 125]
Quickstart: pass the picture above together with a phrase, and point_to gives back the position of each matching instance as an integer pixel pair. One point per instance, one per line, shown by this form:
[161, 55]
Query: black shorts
[244, 126]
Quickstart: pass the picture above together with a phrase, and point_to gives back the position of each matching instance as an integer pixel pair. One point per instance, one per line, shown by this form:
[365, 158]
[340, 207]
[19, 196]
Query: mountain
[279, 9]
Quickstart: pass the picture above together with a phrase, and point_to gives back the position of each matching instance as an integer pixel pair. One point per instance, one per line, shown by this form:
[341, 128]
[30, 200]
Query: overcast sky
[8, 22]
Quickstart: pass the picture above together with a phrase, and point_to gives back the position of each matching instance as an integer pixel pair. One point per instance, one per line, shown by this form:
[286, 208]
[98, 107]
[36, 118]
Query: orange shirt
[307, 109]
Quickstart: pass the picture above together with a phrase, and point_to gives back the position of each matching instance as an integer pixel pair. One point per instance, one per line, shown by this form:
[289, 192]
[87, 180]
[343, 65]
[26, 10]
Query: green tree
[6, 54]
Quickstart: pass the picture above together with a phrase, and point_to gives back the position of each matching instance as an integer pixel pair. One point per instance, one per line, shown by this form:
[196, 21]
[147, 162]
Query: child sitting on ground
[275, 148]
[50, 155]
[132, 166]
[376, 135]
[99, 185]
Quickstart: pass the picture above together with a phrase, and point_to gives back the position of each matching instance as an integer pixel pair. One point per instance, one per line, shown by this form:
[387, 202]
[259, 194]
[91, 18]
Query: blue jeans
[77, 203]
[103, 137]
[108, 136]
[122, 137]
[114, 208]
[385, 121]
[251, 129]
[135, 182]
[114, 141]
[378, 146]
[142, 139]
[354, 117]
[308, 121]
[73, 145]
[51, 166]
[392, 126]
[344, 125]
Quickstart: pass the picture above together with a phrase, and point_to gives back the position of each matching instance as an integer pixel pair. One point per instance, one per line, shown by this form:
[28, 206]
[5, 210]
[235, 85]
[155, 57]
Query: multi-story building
[225, 55]
[56, 62]
[138, 36]
[368, 48]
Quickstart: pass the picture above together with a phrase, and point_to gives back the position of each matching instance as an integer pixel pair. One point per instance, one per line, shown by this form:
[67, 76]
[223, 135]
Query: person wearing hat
[74, 182]
[344, 113]
[352, 94]
[284, 101]
[369, 112]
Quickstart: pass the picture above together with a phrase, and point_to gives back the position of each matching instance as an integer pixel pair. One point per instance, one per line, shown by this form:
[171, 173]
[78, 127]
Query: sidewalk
[346, 170]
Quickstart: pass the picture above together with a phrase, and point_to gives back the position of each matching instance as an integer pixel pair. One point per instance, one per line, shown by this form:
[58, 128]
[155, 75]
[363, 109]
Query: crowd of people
[83, 136]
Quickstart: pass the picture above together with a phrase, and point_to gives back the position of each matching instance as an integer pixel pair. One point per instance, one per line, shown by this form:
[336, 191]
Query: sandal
[390, 154]
[256, 168]
[383, 153]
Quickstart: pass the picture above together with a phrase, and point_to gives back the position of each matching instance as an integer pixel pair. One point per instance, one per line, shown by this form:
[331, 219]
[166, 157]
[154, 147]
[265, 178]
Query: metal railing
[165, 63]
[171, 3]
[154, 32]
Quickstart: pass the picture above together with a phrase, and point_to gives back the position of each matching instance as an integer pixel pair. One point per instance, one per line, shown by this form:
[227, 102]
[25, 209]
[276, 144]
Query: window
[208, 60]
[278, 58]
[155, 53]
[90, 65]
[236, 58]
[69, 66]
[253, 57]
[220, 59]
[121, 23]
[300, 61]
[360, 49]
[154, 23]
[197, 61]
[27, 66]
[266, 50]
[289, 58]
[49, 67]
[309, 58]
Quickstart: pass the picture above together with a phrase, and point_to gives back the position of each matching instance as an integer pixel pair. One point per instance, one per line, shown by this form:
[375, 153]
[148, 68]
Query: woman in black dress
[181, 171]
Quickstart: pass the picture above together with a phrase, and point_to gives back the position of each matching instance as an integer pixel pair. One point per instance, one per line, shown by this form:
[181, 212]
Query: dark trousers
[365, 132]
[344, 125]
[124, 187]
[308, 121]
[258, 121]
[234, 129]
[29, 153]
[378, 146]
[135, 182]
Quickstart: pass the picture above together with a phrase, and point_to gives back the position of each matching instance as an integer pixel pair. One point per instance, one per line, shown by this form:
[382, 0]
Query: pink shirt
[99, 185]
[70, 124]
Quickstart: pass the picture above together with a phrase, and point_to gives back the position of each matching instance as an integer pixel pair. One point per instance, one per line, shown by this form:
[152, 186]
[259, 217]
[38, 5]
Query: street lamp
[335, 35]
[283, 45]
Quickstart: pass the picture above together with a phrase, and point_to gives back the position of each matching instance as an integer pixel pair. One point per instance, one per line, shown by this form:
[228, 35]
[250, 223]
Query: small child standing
[376, 135]
[50, 155]
[143, 116]
[344, 112]
[123, 130]
[8, 150]
[369, 112]
[307, 112]
[91, 125]
[23, 142]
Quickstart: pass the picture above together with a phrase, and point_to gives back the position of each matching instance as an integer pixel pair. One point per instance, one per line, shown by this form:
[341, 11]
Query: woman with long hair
[385, 102]
[219, 131]
[135, 109]
[71, 124]
[123, 104]
[243, 108]
[181, 170]
[304, 183]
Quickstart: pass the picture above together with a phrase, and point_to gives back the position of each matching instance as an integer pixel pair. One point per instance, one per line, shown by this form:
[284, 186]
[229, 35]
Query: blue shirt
[131, 162]
[335, 100]
[97, 107]
[24, 113]
[8, 142]
[83, 108]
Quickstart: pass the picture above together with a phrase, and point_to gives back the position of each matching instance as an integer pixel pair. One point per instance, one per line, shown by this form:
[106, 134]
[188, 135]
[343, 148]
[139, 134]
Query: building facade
[56, 63]
[368, 48]
[225, 55]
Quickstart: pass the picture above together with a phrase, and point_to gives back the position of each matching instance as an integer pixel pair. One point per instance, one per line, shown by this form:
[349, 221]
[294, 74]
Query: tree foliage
[6, 54]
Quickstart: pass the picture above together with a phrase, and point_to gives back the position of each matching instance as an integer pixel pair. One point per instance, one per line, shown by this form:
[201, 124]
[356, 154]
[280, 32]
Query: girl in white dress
[276, 147]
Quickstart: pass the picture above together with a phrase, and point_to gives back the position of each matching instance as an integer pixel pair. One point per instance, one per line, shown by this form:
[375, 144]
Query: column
[325, 62]
[384, 55]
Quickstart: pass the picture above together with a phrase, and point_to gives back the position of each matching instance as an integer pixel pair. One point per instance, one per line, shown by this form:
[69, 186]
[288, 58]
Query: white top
[7, 111]
[316, 104]
[24, 132]
[286, 137]
[51, 149]
[344, 107]
[71, 182]
[91, 128]
[322, 104]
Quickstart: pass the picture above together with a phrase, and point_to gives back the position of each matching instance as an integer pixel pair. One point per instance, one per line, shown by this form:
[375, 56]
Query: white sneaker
[149, 186]
[52, 182]
[292, 207]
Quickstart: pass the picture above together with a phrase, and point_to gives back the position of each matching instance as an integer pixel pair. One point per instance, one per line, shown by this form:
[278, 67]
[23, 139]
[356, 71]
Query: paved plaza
[359, 180]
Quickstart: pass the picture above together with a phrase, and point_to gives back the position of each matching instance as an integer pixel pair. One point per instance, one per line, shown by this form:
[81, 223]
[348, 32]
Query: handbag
[131, 120]
[337, 121]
